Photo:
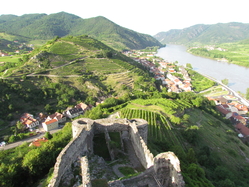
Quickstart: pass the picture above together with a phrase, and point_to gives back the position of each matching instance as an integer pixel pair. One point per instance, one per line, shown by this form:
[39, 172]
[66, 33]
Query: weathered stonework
[162, 170]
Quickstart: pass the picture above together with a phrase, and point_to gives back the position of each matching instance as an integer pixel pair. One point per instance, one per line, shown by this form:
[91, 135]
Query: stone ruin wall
[140, 147]
[82, 144]
[168, 164]
[73, 150]
[85, 172]
[165, 172]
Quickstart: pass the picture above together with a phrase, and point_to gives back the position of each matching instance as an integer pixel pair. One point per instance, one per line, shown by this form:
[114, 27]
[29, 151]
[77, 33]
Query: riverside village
[161, 170]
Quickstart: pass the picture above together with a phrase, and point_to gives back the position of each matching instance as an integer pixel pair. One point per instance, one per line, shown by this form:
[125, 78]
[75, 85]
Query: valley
[120, 76]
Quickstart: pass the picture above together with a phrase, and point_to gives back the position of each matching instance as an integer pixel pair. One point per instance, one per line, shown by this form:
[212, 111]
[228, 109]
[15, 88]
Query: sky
[148, 17]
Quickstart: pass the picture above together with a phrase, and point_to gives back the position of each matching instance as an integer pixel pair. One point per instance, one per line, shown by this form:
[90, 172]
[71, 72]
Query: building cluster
[50, 122]
[210, 48]
[167, 72]
[235, 112]
[18, 46]
[3, 54]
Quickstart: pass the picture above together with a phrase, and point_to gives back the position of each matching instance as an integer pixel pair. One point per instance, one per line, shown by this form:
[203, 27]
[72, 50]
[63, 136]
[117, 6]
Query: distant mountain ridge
[206, 34]
[46, 27]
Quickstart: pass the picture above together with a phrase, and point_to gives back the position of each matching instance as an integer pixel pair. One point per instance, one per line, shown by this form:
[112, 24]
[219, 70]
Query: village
[46, 123]
[16, 48]
[167, 72]
[175, 78]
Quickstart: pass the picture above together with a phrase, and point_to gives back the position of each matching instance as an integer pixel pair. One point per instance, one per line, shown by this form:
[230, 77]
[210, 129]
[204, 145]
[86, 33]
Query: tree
[33, 161]
[226, 183]
[13, 138]
[48, 108]
[188, 65]
[186, 117]
[20, 127]
[191, 156]
[225, 81]
[48, 135]
[191, 134]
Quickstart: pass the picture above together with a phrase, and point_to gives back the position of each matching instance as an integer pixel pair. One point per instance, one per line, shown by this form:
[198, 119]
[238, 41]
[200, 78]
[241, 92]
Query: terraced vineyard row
[159, 127]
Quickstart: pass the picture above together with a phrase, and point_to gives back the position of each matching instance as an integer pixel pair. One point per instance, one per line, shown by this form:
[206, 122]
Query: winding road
[31, 139]
[231, 92]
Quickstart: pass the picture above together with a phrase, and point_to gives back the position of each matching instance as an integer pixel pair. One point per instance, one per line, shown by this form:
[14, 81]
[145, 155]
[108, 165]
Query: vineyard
[159, 128]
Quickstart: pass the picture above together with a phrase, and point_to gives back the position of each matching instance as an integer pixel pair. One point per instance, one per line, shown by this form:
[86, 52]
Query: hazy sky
[149, 17]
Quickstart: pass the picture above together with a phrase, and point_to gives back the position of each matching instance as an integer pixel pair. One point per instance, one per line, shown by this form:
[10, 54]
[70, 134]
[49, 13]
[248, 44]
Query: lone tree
[225, 81]
[48, 135]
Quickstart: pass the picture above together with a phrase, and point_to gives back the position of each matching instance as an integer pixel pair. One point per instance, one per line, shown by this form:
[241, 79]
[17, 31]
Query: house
[74, 112]
[28, 120]
[77, 110]
[221, 101]
[41, 116]
[242, 129]
[60, 117]
[222, 109]
[172, 70]
[50, 125]
[83, 106]
[241, 109]
[4, 54]
[237, 118]
[187, 87]
[38, 142]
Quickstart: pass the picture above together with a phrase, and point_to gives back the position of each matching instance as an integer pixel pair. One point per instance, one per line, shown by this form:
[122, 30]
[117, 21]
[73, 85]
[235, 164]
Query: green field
[235, 53]
[10, 58]
[103, 66]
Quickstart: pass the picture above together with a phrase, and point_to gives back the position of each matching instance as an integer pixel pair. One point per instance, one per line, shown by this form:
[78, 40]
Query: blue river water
[238, 76]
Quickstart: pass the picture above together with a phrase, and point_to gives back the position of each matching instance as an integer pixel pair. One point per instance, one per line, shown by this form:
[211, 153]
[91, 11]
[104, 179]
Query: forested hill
[45, 27]
[206, 34]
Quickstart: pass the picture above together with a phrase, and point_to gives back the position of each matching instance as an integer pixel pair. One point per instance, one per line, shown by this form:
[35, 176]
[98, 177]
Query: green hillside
[206, 34]
[178, 126]
[235, 53]
[46, 27]
[63, 72]
[11, 43]
[73, 69]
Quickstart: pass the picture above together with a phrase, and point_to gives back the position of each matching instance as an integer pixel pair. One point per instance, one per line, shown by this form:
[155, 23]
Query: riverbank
[238, 76]
[232, 55]
[231, 91]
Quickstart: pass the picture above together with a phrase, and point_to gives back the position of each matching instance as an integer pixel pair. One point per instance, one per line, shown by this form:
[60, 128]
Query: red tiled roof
[57, 115]
[38, 142]
[82, 105]
[243, 129]
[222, 109]
[51, 121]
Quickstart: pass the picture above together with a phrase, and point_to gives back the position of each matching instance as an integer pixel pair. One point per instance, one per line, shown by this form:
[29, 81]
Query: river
[238, 76]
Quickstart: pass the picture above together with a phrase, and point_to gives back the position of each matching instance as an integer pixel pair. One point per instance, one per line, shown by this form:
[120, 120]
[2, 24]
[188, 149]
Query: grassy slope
[72, 62]
[230, 152]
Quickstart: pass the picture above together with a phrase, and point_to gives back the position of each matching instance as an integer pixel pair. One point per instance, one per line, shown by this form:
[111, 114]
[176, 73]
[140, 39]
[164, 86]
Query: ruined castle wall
[142, 126]
[76, 148]
[85, 172]
[80, 124]
[140, 147]
[111, 125]
[143, 179]
[82, 144]
[167, 170]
